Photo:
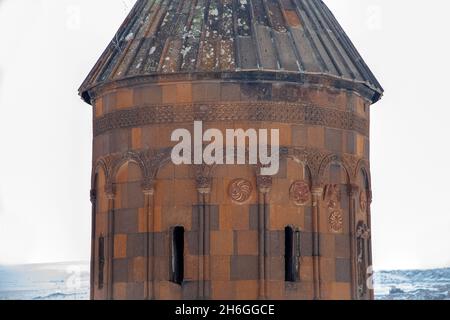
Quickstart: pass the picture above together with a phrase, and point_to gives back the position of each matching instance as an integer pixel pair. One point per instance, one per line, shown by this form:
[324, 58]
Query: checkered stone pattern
[226, 264]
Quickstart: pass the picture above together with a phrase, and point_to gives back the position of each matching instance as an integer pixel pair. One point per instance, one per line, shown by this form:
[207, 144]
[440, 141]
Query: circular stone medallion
[300, 192]
[240, 190]
[336, 221]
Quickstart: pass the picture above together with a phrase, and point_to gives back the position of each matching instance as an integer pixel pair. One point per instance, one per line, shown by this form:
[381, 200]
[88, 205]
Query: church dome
[283, 40]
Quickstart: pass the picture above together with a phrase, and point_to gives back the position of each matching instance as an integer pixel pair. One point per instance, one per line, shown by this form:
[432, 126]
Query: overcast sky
[49, 46]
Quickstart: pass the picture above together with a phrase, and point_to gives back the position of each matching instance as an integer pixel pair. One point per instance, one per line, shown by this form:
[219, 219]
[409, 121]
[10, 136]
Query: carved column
[369, 241]
[203, 189]
[264, 186]
[363, 239]
[149, 247]
[317, 193]
[353, 192]
[110, 194]
[93, 195]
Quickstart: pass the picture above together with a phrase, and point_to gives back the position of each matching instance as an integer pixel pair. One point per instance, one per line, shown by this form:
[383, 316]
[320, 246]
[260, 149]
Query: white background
[47, 47]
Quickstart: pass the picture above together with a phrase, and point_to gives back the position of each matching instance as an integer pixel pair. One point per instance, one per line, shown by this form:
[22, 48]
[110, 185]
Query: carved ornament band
[294, 113]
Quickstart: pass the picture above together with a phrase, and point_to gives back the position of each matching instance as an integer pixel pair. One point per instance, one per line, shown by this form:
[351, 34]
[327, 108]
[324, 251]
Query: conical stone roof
[292, 40]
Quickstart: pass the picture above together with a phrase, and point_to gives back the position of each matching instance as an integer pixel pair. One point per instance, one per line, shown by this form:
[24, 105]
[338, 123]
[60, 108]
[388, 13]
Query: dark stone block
[120, 270]
[366, 148]
[192, 242]
[135, 195]
[342, 246]
[345, 201]
[277, 269]
[109, 102]
[214, 217]
[276, 243]
[343, 270]
[190, 290]
[308, 219]
[121, 140]
[206, 92]
[282, 172]
[126, 221]
[351, 142]
[244, 267]
[253, 217]
[161, 244]
[335, 173]
[306, 244]
[333, 139]
[145, 95]
[327, 245]
[235, 242]
[256, 91]
[230, 92]
[135, 291]
[195, 217]
[136, 245]
[212, 91]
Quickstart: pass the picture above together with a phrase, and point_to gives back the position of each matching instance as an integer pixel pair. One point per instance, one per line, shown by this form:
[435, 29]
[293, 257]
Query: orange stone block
[136, 138]
[101, 223]
[359, 145]
[169, 93]
[191, 267]
[246, 290]
[142, 220]
[306, 269]
[240, 217]
[124, 98]
[222, 290]
[184, 92]
[157, 226]
[247, 242]
[139, 271]
[169, 291]
[316, 136]
[276, 290]
[222, 243]
[122, 174]
[120, 291]
[98, 107]
[220, 268]
[120, 246]
[340, 291]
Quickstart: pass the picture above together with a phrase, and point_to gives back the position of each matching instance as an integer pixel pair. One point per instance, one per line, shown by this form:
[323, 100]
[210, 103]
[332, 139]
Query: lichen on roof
[161, 37]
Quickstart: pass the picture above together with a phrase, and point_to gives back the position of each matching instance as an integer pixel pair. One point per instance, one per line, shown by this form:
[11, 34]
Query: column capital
[264, 184]
[317, 191]
[148, 187]
[110, 190]
[203, 184]
[353, 189]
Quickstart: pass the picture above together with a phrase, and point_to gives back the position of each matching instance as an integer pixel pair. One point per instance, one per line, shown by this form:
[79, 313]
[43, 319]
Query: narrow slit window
[292, 253]
[177, 255]
[101, 260]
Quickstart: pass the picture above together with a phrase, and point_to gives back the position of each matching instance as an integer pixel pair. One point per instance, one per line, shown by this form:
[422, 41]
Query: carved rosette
[336, 221]
[240, 190]
[300, 192]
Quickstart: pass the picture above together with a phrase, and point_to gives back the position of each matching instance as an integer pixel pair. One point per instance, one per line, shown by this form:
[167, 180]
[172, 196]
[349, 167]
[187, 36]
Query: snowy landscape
[70, 281]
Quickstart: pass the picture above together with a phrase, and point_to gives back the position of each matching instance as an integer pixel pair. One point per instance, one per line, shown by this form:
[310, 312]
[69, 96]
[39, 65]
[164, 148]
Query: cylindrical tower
[166, 231]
